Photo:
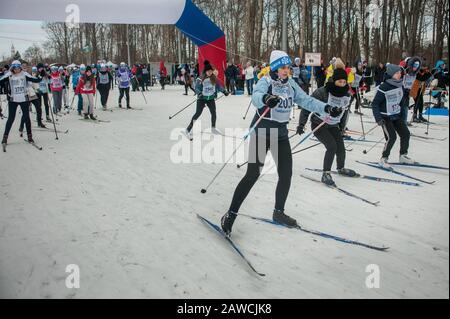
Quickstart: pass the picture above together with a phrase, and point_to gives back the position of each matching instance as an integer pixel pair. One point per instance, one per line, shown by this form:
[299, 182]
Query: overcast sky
[20, 33]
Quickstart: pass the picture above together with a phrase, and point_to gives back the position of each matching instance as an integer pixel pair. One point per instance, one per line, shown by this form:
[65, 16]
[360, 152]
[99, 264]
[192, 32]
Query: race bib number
[208, 88]
[393, 100]
[409, 81]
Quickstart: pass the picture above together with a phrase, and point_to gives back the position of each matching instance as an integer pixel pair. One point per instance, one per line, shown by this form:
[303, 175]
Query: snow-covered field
[108, 198]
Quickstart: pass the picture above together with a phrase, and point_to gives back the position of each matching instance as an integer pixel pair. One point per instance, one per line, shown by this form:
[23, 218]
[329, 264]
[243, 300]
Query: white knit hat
[279, 59]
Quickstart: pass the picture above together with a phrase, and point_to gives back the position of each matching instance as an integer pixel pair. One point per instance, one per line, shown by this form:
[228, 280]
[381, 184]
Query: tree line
[373, 31]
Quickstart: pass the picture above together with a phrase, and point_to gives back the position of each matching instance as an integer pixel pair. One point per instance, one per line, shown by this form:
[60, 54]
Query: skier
[104, 80]
[388, 112]
[16, 81]
[187, 79]
[56, 86]
[43, 90]
[412, 66]
[417, 92]
[75, 78]
[162, 74]
[206, 87]
[277, 92]
[86, 87]
[65, 91]
[33, 97]
[358, 73]
[440, 76]
[335, 93]
[123, 76]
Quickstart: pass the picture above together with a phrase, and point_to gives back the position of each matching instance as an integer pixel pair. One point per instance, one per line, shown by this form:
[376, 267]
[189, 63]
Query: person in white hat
[16, 81]
[277, 92]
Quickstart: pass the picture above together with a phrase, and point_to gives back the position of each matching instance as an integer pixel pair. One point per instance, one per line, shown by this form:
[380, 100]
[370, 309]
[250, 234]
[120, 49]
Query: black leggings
[126, 92]
[46, 103]
[37, 105]
[418, 106]
[12, 109]
[187, 87]
[256, 163]
[211, 104]
[356, 97]
[104, 93]
[331, 137]
[390, 128]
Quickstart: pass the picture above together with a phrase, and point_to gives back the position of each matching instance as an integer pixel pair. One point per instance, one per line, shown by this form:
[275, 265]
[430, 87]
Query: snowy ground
[109, 199]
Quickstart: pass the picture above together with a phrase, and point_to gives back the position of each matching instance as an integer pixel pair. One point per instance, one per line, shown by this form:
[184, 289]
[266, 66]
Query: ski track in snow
[108, 198]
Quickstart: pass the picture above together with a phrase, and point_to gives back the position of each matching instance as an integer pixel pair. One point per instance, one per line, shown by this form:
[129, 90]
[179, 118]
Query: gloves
[200, 96]
[380, 122]
[271, 100]
[300, 130]
[334, 111]
[226, 93]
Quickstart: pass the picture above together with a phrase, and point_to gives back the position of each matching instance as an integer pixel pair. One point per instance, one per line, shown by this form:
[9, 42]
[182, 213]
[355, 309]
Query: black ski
[318, 233]
[418, 165]
[393, 171]
[230, 241]
[373, 178]
[342, 191]
[34, 145]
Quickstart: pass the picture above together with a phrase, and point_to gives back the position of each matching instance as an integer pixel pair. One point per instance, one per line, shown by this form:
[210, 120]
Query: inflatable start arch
[185, 15]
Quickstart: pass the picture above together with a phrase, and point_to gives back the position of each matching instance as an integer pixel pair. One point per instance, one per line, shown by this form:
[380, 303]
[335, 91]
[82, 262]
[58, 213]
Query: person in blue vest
[123, 76]
[388, 112]
[276, 93]
[104, 82]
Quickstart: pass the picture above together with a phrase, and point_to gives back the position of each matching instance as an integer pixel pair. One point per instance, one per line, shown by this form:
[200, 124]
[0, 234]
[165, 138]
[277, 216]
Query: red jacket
[83, 89]
[162, 69]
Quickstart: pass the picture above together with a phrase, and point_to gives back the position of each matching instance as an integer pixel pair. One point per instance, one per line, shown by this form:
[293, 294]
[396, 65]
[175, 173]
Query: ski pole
[358, 97]
[139, 85]
[171, 117]
[252, 129]
[53, 118]
[306, 148]
[367, 152]
[364, 136]
[429, 114]
[312, 132]
[248, 109]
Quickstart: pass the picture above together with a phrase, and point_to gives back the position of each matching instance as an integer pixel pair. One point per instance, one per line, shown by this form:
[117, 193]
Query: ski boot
[347, 172]
[404, 159]
[422, 119]
[120, 105]
[327, 179]
[227, 222]
[358, 112]
[384, 163]
[21, 133]
[48, 119]
[92, 117]
[86, 116]
[30, 139]
[281, 218]
[215, 131]
[415, 119]
[41, 125]
[4, 142]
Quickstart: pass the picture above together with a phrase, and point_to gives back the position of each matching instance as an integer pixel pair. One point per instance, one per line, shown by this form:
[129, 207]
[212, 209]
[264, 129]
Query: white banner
[94, 11]
[313, 59]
